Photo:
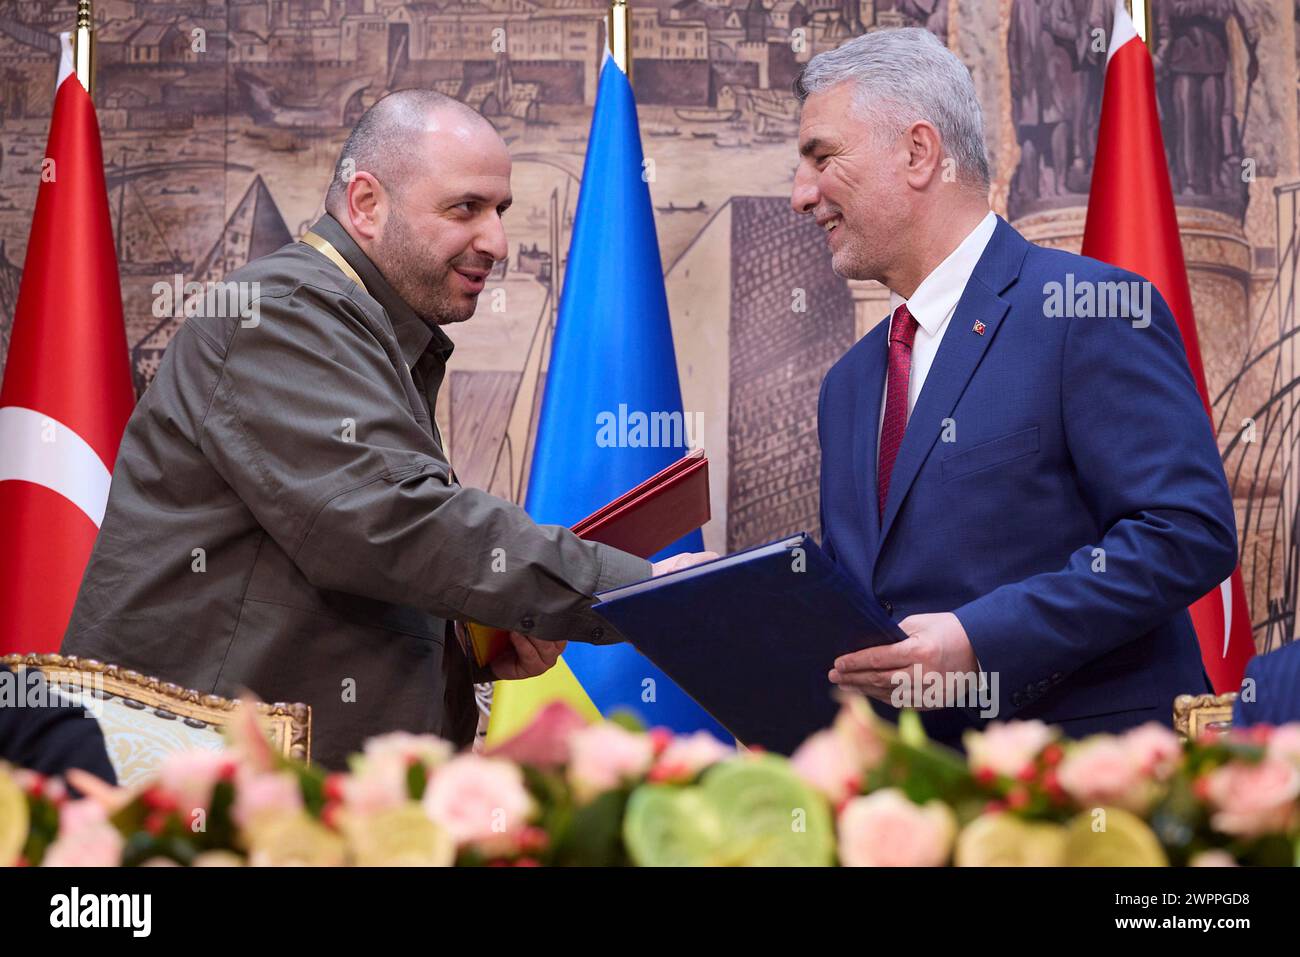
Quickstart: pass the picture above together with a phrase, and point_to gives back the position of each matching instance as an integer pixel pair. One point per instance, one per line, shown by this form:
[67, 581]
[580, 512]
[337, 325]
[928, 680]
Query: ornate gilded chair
[144, 719]
[1196, 714]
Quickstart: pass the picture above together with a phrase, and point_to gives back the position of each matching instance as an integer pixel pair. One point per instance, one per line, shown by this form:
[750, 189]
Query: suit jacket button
[527, 624]
[888, 606]
[598, 632]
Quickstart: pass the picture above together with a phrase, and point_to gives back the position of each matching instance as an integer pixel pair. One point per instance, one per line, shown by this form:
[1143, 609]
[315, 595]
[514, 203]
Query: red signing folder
[642, 521]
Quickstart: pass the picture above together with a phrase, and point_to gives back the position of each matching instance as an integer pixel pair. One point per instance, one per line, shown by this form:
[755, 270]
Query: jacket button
[598, 632]
[527, 624]
[888, 606]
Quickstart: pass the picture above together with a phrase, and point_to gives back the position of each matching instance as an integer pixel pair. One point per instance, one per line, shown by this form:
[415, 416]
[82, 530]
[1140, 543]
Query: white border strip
[39, 449]
[1122, 31]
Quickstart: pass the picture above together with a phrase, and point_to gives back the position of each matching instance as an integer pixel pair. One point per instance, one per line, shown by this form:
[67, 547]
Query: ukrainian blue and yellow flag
[613, 347]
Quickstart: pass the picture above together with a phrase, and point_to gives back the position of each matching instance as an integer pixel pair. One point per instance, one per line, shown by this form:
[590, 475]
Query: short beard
[421, 284]
[850, 264]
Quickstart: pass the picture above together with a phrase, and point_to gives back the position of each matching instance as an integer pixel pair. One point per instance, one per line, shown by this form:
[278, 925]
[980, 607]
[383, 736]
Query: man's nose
[804, 196]
[491, 239]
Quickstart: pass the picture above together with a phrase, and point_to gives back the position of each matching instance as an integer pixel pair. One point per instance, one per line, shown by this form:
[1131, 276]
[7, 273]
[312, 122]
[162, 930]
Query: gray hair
[384, 144]
[904, 75]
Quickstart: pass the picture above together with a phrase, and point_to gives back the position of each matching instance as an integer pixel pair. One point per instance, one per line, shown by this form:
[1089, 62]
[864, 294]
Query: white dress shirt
[932, 306]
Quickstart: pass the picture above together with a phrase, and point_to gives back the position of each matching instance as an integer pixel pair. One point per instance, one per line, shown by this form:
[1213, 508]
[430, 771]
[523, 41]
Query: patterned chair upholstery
[144, 719]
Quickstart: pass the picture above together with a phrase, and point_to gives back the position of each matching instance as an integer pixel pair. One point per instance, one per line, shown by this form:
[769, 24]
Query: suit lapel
[958, 356]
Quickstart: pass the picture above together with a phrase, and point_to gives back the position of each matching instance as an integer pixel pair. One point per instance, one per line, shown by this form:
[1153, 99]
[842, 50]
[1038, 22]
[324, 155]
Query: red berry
[1201, 788]
[329, 814]
[1017, 799]
[533, 839]
[35, 784]
[157, 800]
[1051, 783]
[333, 787]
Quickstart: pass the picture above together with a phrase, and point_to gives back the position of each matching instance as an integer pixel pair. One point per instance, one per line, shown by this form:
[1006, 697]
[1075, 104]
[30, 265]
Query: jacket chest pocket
[990, 453]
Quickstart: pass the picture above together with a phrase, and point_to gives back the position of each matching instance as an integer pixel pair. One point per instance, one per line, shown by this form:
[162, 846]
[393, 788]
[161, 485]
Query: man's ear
[925, 156]
[365, 205]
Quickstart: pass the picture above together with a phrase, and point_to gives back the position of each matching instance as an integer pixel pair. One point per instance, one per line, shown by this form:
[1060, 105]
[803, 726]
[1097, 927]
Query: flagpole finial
[618, 35]
[83, 45]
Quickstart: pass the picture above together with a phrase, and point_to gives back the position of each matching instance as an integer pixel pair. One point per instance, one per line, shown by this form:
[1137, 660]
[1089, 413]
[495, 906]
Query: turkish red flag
[67, 384]
[1131, 224]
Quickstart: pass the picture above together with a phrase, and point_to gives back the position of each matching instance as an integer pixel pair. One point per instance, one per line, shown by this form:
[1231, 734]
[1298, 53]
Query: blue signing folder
[752, 636]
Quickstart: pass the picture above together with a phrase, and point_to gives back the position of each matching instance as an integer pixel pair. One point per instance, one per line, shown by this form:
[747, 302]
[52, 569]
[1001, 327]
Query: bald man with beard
[283, 515]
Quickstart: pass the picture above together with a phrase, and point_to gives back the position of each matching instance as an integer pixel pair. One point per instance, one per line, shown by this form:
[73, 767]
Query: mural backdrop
[221, 123]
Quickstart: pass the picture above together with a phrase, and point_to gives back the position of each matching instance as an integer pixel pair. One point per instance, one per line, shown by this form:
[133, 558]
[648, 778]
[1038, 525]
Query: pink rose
[1106, 770]
[408, 748]
[247, 737]
[885, 829]
[1213, 858]
[604, 756]
[856, 727]
[687, 756]
[379, 778]
[835, 760]
[1284, 743]
[75, 815]
[258, 794]
[86, 838]
[827, 762]
[1254, 799]
[479, 800]
[545, 742]
[1007, 748]
[188, 777]
[217, 859]
[378, 785]
[1155, 749]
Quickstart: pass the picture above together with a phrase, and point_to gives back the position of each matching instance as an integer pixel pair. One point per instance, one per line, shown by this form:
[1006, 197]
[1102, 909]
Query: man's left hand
[937, 642]
[526, 658]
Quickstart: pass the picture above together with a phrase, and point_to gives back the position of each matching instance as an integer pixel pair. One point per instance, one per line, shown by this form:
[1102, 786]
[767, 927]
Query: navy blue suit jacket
[1271, 691]
[1070, 435]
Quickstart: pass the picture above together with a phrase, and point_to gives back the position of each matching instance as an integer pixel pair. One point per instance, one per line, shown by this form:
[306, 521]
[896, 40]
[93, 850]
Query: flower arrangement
[860, 793]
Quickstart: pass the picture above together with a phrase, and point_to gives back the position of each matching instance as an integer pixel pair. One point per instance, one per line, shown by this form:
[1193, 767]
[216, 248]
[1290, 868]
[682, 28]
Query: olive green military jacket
[283, 517]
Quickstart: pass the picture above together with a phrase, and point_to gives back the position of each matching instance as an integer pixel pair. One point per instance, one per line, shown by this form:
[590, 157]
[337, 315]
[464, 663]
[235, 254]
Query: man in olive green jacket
[283, 516]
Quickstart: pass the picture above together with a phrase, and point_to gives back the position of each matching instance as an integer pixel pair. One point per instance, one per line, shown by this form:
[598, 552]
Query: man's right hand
[681, 560]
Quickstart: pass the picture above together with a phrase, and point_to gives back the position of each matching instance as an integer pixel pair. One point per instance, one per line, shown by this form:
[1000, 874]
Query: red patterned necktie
[902, 330]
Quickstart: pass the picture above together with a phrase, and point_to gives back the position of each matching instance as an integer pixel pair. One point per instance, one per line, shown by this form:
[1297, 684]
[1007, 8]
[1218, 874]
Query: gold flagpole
[618, 34]
[83, 45]
[1140, 11]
